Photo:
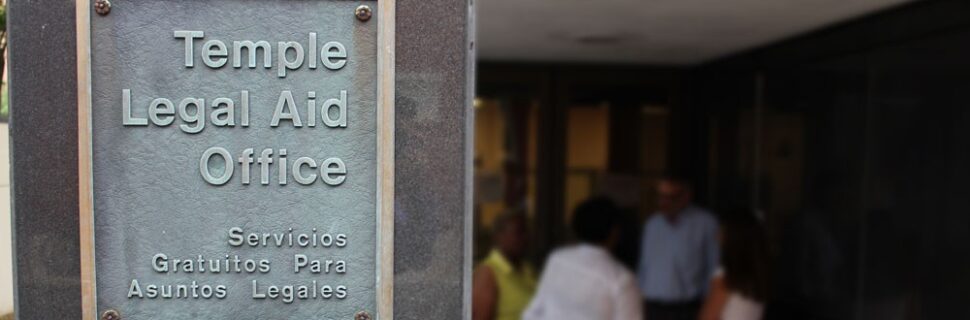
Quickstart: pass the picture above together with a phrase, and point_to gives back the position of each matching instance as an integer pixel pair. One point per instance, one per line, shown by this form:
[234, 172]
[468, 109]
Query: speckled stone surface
[43, 134]
[433, 74]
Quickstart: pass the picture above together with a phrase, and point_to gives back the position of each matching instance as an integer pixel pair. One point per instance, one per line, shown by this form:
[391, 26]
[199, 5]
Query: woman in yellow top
[503, 284]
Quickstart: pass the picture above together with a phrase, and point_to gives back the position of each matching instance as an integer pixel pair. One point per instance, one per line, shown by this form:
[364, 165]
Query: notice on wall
[234, 166]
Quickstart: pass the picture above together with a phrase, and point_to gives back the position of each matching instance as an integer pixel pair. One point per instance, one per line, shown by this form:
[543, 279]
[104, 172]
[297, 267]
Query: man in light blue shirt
[678, 255]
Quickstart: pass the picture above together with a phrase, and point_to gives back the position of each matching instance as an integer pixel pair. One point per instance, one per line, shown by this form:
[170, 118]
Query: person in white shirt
[583, 281]
[740, 286]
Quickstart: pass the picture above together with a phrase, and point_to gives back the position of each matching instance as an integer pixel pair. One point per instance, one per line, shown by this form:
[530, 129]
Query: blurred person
[503, 284]
[678, 254]
[740, 286]
[583, 281]
[813, 274]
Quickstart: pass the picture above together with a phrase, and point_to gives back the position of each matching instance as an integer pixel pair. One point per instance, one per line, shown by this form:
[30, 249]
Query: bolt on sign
[236, 159]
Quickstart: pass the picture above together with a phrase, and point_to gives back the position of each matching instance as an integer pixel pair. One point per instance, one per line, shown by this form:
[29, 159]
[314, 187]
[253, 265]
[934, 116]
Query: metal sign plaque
[239, 158]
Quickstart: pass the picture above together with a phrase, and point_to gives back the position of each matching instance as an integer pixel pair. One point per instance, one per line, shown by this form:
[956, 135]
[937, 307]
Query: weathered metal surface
[158, 199]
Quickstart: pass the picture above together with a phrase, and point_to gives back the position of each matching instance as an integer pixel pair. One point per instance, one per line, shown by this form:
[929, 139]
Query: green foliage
[3, 18]
[4, 106]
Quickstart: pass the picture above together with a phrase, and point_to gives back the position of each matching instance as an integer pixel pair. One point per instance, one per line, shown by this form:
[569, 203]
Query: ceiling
[667, 32]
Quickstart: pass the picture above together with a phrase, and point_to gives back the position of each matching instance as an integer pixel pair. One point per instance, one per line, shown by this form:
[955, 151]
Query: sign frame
[384, 272]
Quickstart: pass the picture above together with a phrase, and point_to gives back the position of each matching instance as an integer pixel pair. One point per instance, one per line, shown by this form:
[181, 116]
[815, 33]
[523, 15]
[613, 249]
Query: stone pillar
[433, 136]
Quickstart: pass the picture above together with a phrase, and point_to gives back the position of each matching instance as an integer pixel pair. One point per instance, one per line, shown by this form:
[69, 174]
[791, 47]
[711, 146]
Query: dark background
[852, 142]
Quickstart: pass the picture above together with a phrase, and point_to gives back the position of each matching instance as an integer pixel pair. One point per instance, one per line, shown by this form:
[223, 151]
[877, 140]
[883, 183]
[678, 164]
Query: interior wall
[851, 143]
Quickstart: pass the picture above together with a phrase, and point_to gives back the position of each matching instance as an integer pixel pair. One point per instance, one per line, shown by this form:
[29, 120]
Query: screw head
[111, 315]
[363, 13]
[362, 315]
[102, 7]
